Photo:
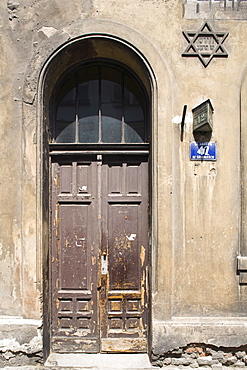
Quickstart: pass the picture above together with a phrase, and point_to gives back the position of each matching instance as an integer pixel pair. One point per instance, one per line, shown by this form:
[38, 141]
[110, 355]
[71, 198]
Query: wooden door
[99, 277]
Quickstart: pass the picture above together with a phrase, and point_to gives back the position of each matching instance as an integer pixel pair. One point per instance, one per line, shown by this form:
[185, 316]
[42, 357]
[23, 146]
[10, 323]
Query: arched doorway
[99, 154]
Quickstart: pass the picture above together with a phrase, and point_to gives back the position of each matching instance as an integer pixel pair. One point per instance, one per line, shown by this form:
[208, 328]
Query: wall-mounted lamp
[203, 117]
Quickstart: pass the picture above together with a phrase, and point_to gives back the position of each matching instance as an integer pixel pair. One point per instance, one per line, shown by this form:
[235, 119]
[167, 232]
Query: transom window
[100, 104]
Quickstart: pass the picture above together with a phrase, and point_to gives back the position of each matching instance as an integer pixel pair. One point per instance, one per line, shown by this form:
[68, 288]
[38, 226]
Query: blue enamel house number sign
[203, 151]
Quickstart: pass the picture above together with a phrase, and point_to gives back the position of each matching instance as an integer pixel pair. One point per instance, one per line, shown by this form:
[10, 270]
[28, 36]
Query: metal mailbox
[203, 117]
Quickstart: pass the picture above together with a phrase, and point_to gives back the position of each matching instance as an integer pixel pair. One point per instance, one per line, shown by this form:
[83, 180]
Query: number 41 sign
[203, 151]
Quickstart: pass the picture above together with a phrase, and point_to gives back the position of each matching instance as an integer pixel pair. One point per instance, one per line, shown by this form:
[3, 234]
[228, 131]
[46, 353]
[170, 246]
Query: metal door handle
[104, 264]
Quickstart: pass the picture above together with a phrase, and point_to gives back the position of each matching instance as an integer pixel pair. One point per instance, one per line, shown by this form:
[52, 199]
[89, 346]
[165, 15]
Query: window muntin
[100, 104]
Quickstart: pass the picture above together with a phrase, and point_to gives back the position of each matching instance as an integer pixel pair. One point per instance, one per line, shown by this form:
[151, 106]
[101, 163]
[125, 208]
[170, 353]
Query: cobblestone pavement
[71, 368]
[213, 367]
[78, 368]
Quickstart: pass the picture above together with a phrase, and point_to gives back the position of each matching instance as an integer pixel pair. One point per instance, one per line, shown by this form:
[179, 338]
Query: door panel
[75, 254]
[123, 247]
[125, 194]
[73, 260]
[99, 254]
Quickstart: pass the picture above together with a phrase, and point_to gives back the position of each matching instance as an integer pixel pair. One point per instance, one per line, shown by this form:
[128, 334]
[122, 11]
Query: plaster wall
[196, 216]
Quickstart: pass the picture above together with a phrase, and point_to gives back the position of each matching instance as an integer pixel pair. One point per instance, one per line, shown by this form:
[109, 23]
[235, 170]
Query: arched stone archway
[45, 68]
[98, 281]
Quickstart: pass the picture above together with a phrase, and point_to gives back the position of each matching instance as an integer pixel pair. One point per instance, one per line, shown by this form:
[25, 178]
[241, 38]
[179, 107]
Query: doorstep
[100, 361]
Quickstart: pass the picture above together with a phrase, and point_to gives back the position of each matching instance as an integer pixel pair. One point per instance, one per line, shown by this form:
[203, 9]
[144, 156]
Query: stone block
[239, 363]
[240, 354]
[206, 361]
[194, 364]
[229, 361]
[216, 366]
[218, 355]
[245, 359]
[167, 361]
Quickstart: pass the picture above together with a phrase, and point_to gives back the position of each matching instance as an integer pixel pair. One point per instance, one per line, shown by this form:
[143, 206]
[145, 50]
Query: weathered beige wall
[10, 210]
[196, 206]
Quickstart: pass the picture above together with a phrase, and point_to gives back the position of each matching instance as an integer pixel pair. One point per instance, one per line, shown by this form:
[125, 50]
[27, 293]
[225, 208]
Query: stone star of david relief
[205, 44]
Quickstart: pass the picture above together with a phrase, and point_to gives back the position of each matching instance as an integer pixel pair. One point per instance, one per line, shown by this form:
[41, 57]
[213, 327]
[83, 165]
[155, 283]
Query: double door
[99, 255]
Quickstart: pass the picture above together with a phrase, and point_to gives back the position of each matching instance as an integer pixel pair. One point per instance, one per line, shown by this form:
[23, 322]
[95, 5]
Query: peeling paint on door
[99, 243]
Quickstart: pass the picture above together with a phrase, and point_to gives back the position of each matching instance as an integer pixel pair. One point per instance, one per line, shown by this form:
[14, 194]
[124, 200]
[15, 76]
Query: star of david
[205, 44]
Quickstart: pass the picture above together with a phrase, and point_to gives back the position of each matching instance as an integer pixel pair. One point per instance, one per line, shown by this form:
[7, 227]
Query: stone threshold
[100, 361]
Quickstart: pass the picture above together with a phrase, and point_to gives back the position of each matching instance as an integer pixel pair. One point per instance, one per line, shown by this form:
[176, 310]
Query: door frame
[36, 83]
[131, 343]
[123, 149]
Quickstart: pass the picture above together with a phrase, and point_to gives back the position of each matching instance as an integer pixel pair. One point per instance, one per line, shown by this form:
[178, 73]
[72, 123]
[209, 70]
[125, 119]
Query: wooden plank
[124, 345]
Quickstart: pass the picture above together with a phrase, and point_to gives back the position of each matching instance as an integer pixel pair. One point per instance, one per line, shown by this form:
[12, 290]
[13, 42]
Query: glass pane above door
[101, 104]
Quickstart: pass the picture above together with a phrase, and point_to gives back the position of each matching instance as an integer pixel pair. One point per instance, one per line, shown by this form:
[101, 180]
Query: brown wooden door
[99, 254]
